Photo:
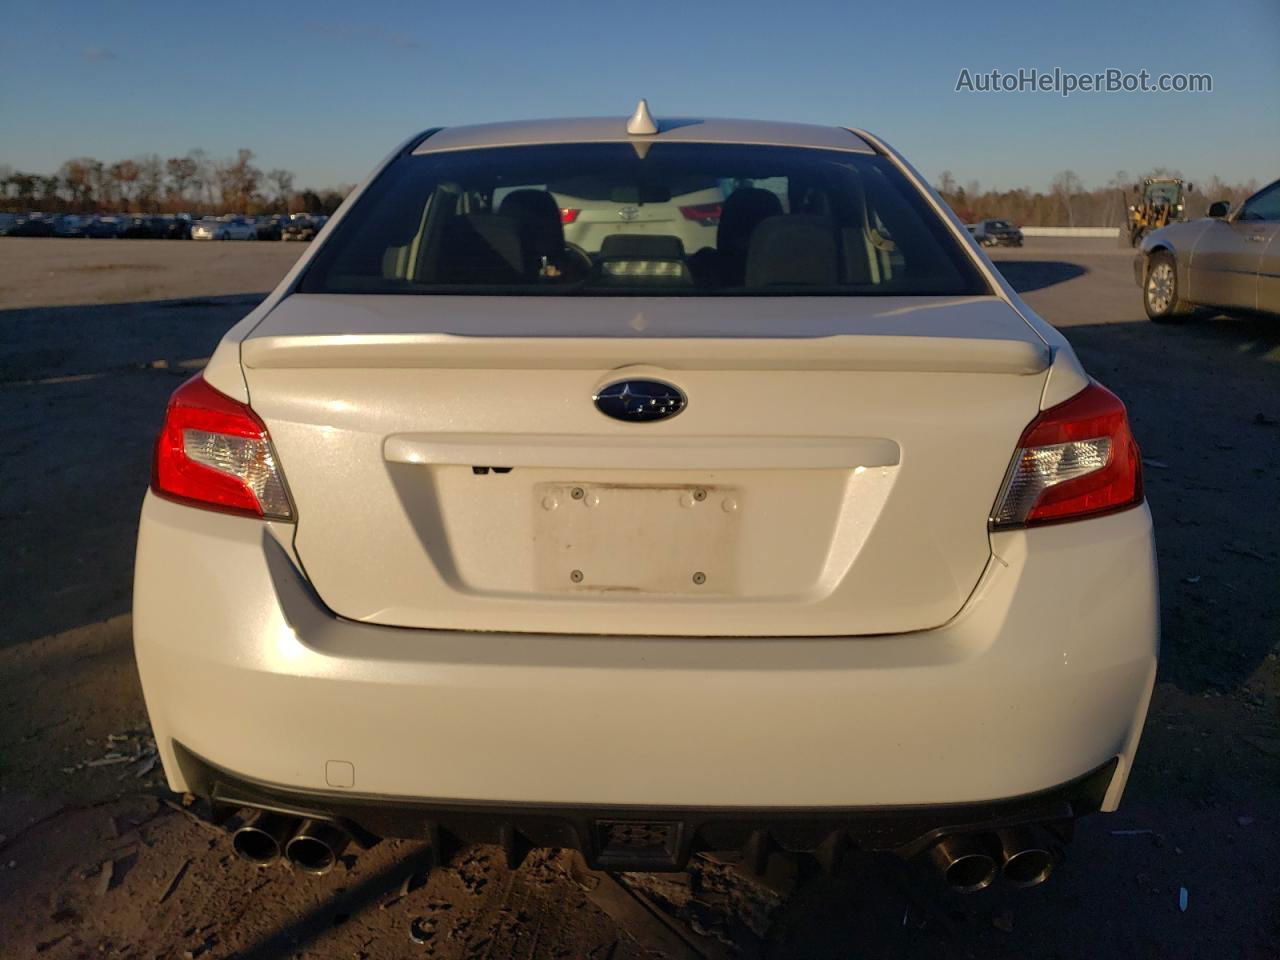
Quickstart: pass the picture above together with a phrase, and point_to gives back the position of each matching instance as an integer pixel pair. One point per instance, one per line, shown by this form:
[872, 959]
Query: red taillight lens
[1075, 460]
[214, 452]
[707, 214]
[568, 214]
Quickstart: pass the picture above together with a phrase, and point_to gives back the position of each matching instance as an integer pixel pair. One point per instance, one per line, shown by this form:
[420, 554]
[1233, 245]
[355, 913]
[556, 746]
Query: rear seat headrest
[793, 249]
[481, 248]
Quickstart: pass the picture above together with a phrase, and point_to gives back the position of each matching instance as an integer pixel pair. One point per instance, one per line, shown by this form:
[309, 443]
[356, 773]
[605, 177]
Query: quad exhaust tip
[971, 862]
[316, 847]
[1024, 862]
[965, 863]
[262, 837]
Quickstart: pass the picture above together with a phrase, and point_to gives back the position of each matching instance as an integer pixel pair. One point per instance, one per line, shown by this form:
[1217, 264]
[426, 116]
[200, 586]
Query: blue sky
[326, 89]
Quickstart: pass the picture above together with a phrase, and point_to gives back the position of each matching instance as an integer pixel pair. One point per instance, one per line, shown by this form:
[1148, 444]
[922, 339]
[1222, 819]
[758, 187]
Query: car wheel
[1160, 290]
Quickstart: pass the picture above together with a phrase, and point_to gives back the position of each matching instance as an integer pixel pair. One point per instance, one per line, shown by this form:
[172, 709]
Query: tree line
[149, 184]
[196, 183]
[1069, 204]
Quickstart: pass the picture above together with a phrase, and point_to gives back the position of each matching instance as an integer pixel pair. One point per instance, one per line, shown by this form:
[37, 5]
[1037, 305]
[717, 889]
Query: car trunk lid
[831, 474]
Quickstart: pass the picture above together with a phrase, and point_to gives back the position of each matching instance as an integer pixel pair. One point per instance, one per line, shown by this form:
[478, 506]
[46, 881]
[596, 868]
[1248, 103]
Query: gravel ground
[97, 860]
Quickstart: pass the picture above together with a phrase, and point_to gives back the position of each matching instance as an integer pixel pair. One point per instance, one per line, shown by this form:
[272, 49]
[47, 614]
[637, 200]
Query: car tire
[1160, 294]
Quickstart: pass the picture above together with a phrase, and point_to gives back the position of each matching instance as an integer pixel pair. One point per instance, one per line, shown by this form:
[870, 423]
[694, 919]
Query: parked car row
[181, 226]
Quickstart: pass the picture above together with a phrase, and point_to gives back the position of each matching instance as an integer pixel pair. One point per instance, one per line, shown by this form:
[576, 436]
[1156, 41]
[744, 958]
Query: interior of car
[686, 218]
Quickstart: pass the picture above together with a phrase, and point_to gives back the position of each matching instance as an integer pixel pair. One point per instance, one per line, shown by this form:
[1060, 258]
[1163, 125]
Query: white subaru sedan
[814, 538]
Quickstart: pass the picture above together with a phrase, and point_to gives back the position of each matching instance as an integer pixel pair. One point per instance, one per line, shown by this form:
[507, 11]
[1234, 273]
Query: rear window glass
[644, 220]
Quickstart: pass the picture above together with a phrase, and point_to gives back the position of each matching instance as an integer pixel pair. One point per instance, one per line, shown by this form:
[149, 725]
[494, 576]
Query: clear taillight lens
[1075, 460]
[214, 452]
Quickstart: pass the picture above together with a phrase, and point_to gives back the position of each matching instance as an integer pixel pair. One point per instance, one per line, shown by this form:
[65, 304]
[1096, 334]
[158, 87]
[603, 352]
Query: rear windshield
[651, 219]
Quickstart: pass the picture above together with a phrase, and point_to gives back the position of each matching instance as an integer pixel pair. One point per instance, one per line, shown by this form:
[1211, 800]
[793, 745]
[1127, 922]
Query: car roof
[670, 130]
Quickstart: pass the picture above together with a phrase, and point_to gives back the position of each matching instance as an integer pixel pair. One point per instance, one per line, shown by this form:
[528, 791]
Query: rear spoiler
[841, 352]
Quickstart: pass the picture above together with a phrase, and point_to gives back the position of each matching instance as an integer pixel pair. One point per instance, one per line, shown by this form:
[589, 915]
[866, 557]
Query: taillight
[1075, 460]
[706, 214]
[568, 214]
[214, 452]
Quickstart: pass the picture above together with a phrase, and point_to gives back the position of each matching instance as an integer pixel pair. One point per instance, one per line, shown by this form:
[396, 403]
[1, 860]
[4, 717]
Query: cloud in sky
[363, 34]
[97, 54]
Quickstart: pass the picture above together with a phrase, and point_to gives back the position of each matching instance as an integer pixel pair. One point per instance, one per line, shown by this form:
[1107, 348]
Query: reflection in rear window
[681, 219]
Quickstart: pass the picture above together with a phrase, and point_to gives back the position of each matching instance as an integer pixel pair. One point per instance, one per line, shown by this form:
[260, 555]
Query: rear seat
[793, 249]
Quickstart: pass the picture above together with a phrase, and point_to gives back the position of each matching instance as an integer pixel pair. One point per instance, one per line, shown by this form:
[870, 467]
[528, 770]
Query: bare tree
[78, 175]
[1117, 199]
[125, 175]
[1064, 186]
[202, 180]
[182, 172]
[49, 187]
[150, 182]
[237, 181]
[102, 185]
[282, 182]
[24, 188]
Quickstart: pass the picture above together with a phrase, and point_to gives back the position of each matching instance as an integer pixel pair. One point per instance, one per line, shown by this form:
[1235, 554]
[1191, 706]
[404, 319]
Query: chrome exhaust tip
[316, 846]
[1024, 861]
[261, 838]
[965, 863]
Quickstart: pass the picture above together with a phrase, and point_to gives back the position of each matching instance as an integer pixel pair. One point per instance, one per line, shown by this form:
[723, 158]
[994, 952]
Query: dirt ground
[97, 859]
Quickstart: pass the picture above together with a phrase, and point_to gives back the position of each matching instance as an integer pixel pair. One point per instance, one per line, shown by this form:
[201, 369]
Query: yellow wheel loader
[1156, 201]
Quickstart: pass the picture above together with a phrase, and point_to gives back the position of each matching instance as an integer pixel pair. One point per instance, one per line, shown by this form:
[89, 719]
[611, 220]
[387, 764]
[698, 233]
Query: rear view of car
[299, 226]
[592, 211]
[269, 228]
[103, 228]
[210, 228]
[799, 531]
[997, 233]
[32, 225]
[69, 225]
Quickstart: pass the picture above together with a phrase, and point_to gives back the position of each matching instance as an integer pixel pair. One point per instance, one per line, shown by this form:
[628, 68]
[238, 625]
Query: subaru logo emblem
[637, 401]
[629, 213]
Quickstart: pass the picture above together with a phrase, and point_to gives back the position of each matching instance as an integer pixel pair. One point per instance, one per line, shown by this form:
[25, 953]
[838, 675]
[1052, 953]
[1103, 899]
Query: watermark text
[1065, 83]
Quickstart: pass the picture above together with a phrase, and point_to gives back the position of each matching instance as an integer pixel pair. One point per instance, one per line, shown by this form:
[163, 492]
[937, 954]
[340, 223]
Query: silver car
[225, 228]
[1228, 261]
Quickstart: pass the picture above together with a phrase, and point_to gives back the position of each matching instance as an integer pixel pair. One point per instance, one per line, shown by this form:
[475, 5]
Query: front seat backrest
[481, 248]
[741, 214]
[538, 216]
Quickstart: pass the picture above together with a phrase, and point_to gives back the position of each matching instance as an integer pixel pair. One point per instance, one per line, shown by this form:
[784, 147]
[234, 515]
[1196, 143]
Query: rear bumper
[652, 838]
[1044, 676]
